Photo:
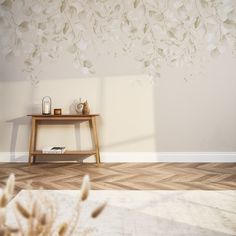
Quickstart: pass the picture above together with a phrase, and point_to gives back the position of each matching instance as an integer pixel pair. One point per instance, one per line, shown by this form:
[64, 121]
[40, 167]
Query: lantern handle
[47, 97]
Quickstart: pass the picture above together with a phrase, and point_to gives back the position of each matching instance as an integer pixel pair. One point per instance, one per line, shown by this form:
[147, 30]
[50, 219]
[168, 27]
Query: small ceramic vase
[86, 109]
[79, 107]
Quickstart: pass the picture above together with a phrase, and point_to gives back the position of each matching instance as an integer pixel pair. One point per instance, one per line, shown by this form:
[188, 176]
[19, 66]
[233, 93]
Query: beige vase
[86, 109]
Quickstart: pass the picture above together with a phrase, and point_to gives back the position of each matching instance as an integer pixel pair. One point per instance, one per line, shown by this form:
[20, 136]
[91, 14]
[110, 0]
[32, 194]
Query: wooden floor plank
[133, 176]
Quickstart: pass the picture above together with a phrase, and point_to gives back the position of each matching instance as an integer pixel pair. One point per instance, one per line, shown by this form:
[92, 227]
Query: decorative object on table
[46, 105]
[57, 111]
[86, 109]
[53, 150]
[79, 107]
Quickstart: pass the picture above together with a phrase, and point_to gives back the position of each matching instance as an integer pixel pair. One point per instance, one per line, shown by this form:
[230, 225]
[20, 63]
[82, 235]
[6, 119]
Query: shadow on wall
[102, 98]
[16, 123]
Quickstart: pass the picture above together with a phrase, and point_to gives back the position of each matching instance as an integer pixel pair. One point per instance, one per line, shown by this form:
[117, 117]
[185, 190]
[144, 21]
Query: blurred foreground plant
[40, 214]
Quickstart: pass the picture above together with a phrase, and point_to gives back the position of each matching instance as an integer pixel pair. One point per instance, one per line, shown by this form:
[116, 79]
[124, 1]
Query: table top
[68, 115]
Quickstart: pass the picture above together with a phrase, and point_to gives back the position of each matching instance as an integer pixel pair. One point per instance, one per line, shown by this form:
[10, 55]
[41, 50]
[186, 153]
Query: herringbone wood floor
[133, 176]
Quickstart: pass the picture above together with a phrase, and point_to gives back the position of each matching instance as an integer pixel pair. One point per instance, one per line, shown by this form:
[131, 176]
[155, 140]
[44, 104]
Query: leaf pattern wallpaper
[154, 32]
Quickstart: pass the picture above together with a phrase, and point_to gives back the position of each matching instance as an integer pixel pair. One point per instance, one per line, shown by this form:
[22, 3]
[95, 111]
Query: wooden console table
[62, 119]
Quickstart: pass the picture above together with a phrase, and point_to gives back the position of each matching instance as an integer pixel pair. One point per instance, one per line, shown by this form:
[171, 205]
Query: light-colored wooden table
[63, 119]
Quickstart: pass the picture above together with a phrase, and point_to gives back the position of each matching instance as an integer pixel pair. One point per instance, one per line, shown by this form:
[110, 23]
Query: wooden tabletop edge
[67, 115]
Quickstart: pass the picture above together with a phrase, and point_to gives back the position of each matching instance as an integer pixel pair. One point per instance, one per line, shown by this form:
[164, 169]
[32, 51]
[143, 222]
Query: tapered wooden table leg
[32, 141]
[35, 138]
[95, 139]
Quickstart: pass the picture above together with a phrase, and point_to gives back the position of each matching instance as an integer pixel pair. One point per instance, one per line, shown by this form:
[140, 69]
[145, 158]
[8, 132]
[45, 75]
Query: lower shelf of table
[92, 152]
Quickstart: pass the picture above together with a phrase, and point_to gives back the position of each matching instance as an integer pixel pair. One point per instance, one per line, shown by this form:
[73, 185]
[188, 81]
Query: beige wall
[174, 115]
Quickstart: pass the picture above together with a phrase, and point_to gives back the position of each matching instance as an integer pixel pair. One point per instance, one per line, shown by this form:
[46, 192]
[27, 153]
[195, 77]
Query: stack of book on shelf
[54, 150]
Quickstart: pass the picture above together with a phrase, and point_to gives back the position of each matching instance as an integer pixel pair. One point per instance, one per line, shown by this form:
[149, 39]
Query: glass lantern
[46, 105]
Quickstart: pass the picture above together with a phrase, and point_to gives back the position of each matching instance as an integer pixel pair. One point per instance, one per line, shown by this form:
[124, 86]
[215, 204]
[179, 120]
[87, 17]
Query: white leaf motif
[7, 4]
[136, 3]
[197, 22]
[9, 56]
[73, 11]
[117, 7]
[88, 64]
[145, 28]
[72, 48]
[66, 27]
[27, 11]
[63, 6]
[24, 26]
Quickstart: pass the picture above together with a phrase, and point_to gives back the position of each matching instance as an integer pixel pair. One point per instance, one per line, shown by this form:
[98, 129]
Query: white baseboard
[109, 157]
[169, 157]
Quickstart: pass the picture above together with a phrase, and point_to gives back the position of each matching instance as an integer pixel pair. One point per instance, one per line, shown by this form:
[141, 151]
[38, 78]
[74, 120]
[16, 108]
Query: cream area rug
[148, 213]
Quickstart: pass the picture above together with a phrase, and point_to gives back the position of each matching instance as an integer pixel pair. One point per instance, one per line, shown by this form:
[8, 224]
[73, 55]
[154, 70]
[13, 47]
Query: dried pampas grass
[38, 217]
[85, 188]
[23, 211]
[97, 211]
